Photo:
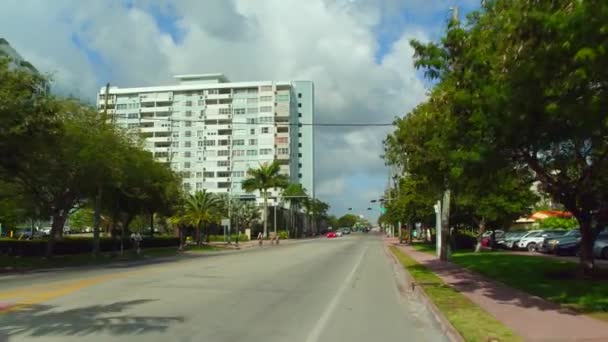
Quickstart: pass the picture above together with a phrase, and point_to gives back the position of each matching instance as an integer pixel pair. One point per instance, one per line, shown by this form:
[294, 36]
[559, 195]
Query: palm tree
[201, 209]
[248, 214]
[294, 194]
[263, 178]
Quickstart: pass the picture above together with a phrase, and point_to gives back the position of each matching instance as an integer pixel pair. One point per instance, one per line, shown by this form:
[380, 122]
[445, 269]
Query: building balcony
[155, 109]
[218, 96]
[155, 98]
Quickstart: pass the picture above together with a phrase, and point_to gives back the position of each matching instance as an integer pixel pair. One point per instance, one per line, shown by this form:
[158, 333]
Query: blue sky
[356, 52]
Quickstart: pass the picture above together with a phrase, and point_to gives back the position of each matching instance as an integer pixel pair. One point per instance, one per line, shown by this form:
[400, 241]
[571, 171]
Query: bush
[283, 234]
[558, 223]
[80, 245]
[463, 240]
[220, 238]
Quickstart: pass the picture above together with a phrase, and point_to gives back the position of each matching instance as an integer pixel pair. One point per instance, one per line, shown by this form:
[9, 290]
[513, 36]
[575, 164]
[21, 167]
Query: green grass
[548, 278]
[472, 322]
[29, 263]
[425, 247]
[204, 248]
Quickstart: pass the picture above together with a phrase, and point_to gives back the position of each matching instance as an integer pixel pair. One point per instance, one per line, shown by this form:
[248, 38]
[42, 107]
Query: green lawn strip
[204, 248]
[11, 263]
[425, 247]
[472, 322]
[548, 278]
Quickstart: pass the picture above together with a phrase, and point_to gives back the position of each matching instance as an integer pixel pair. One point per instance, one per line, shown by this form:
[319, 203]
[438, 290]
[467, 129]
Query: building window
[300, 165]
[266, 109]
[299, 105]
[175, 134]
[224, 111]
[188, 103]
[211, 133]
[282, 98]
[266, 88]
[187, 165]
[222, 174]
[223, 142]
[223, 163]
[266, 99]
[121, 106]
[299, 155]
[252, 131]
[238, 101]
[238, 173]
[132, 125]
[283, 150]
[200, 133]
[175, 144]
[252, 91]
[252, 101]
[187, 144]
[282, 140]
[188, 113]
[209, 142]
[187, 154]
[299, 175]
[265, 130]
[299, 95]
[188, 134]
[186, 187]
[251, 120]
[223, 153]
[201, 102]
[239, 111]
[300, 135]
[199, 185]
[265, 151]
[200, 143]
[238, 153]
[253, 141]
[202, 112]
[199, 175]
[208, 174]
[238, 142]
[252, 153]
[299, 115]
[265, 119]
[133, 115]
[252, 110]
[212, 91]
[188, 124]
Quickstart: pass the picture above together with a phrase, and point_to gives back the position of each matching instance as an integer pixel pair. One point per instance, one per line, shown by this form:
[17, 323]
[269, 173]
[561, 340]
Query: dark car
[572, 246]
[510, 239]
[600, 247]
[550, 243]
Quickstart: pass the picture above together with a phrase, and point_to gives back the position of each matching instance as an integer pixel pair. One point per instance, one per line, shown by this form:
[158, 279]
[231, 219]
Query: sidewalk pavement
[533, 318]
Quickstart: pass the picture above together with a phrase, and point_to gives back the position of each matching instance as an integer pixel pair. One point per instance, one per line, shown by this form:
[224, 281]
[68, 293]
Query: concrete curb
[446, 327]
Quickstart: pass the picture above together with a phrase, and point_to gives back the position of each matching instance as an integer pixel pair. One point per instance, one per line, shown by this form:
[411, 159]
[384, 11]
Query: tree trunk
[151, 224]
[198, 235]
[409, 233]
[97, 221]
[445, 226]
[482, 229]
[207, 237]
[586, 254]
[59, 219]
[265, 214]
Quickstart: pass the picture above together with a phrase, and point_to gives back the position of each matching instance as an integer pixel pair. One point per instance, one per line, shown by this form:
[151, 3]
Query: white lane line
[315, 333]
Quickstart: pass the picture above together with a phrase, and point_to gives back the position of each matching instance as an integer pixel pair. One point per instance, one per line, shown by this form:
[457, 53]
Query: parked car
[549, 244]
[331, 235]
[510, 239]
[339, 233]
[345, 230]
[600, 246]
[530, 240]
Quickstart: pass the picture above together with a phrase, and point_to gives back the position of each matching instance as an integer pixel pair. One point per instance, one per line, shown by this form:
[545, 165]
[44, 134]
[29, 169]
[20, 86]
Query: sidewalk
[533, 318]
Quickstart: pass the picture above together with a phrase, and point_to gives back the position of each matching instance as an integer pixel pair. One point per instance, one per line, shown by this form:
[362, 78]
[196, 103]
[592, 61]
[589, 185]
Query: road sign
[225, 222]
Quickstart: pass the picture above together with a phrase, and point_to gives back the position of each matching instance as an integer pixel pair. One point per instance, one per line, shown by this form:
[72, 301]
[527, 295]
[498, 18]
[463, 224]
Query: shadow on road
[48, 320]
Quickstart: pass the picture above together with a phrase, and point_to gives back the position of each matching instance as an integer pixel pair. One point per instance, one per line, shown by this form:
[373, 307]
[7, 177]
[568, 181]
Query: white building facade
[212, 131]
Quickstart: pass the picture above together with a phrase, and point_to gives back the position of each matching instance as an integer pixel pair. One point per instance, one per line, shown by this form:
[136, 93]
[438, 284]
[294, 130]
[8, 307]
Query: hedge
[463, 240]
[79, 245]
[220, 238]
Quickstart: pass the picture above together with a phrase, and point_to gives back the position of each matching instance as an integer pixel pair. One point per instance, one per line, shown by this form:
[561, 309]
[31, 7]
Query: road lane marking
[315, 333]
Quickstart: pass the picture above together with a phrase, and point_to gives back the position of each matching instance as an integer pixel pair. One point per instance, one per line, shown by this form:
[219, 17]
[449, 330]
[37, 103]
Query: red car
[331, 235]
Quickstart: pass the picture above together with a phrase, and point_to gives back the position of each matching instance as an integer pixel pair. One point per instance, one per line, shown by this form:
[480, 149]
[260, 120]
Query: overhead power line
[338, 124]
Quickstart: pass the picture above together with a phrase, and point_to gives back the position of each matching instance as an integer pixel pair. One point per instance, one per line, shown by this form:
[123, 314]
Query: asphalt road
[342, 289]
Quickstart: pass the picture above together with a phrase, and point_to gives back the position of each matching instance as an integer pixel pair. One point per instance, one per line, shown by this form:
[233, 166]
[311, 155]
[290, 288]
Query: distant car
[510, 239]
[331, 235]
[600, 247]
[530, 240]
[339, 233]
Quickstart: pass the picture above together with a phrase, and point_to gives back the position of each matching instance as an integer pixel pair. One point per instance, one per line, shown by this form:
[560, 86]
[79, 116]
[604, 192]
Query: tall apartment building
[212, 131]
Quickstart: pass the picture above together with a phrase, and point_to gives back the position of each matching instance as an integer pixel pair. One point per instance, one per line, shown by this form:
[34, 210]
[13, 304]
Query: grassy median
[473, 323]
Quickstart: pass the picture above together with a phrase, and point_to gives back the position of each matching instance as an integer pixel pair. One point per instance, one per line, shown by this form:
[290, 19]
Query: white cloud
[330, 42]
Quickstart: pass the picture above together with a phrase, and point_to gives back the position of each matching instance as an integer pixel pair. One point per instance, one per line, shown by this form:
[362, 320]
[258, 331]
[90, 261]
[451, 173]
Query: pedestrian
[136, 238]
[260, 238]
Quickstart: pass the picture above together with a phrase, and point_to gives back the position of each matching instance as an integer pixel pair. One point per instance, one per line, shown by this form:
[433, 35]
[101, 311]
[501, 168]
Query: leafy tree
[295, 195]
[315, 209]
[332, 220]
[202, 209]
[558, 223]
[249, 213]
[265, 177]
[81, 219]
[348, 220]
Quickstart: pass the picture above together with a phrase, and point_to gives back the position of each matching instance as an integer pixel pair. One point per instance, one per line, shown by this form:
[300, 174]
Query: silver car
[600, 247]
